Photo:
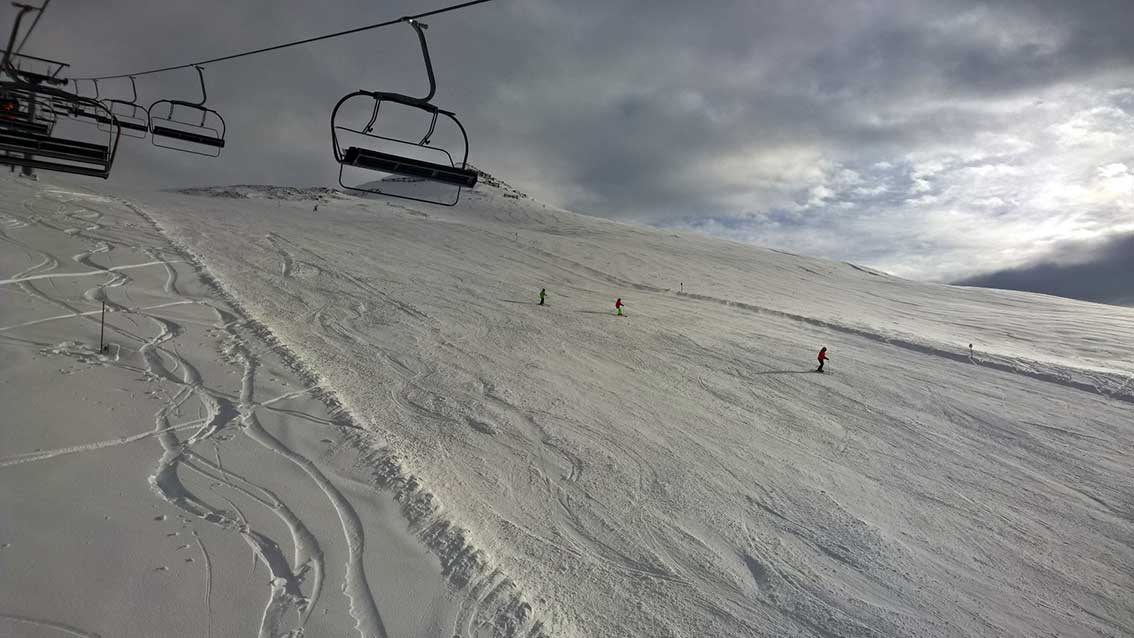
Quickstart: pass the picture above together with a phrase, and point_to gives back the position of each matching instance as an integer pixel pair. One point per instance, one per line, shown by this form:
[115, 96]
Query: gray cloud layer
[1102, 272]
[931, 139]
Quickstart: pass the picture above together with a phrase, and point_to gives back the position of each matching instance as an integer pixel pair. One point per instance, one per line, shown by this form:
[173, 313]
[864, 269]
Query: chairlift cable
[292, 44]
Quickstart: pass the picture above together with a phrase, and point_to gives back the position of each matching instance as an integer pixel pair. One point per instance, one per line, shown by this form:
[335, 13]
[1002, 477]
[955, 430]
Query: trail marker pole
[102, 329]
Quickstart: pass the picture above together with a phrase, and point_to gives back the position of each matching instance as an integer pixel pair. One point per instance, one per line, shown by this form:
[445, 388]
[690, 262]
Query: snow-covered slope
[256, 191]
[680, 471]
[191, 478]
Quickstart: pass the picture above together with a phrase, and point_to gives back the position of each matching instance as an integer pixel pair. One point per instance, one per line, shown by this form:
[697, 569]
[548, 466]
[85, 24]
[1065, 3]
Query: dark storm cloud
[1101, 272]
[816, 114]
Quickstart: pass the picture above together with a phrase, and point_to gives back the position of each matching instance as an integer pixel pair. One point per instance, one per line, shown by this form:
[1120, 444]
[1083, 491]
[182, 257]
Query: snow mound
[506, 190]
[487, 185]
[265, 191]
[419, 188]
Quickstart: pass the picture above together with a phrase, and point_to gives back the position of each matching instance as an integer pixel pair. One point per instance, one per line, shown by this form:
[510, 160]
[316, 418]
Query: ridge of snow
[264, 191]
[321, 193]
[507, 190]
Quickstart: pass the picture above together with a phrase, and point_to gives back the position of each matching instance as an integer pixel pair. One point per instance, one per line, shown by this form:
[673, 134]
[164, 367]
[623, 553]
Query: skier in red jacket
[618, 306]
[822, 358]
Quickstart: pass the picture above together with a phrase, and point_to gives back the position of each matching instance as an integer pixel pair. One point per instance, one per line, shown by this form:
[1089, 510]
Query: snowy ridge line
[463, 564]
[1047, 372]
[356, 587]
[264, 191]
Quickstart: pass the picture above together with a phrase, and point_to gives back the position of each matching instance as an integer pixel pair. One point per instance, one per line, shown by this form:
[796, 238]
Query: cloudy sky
[935, 140]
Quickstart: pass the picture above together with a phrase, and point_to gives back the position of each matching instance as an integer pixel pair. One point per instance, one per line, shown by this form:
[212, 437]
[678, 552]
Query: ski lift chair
[33, 146]
[402, 168]
[83, 110]
[132, 117]
[24, 111]
[168, 131]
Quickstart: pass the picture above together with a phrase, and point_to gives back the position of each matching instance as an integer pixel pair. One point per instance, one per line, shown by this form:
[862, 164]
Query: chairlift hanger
[132, 117]
[450, 174]
[210, 139]
[101, 117]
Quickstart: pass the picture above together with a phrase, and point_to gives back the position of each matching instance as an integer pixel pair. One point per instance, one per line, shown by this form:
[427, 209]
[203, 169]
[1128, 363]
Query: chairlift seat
[31, 143]
[37, 128]
[57, 148]
[193, 135]
[134, 123]
[100, 170]
[409, 167]
[186, 136]
[133, 126]
[91, 160]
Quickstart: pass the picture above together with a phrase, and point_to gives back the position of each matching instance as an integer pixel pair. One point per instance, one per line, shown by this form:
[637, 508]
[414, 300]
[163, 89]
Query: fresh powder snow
[358, 420]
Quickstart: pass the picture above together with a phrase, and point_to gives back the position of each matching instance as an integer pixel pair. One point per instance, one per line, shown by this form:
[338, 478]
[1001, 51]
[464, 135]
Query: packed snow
[361, 421]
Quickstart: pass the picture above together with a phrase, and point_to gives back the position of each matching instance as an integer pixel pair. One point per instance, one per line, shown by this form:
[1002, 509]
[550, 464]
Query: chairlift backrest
[133, 118]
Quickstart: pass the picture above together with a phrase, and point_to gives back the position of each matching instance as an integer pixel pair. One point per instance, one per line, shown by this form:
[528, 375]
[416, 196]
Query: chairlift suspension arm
[428, 134]
[420, 29]
[201, 77]
[373, 117]
[40, 9]
[7, 62]
[204, 94]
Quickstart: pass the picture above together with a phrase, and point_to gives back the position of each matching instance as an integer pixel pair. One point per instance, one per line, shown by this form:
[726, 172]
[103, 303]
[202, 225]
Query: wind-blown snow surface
[191, 479]
[680, 471]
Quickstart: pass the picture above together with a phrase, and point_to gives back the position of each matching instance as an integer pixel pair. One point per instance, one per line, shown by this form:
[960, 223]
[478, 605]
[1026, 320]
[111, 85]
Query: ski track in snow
[55, 275]
[296, 583]
[49, 624]
[208, 584]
